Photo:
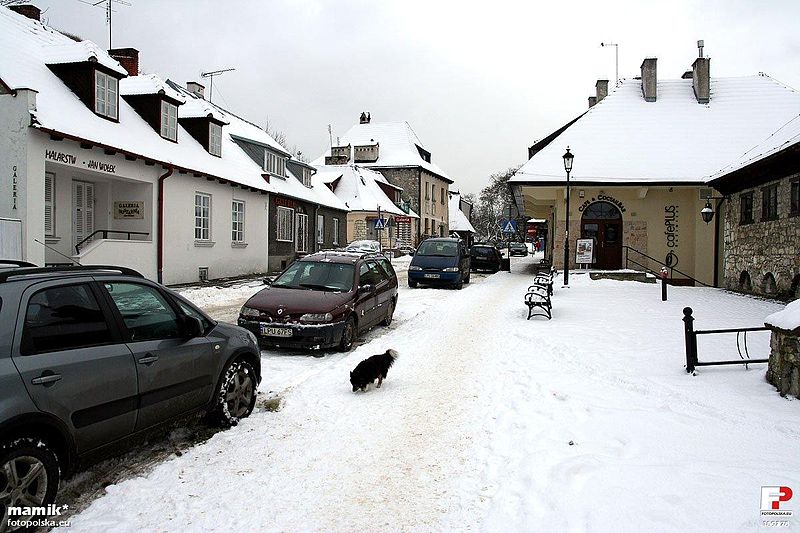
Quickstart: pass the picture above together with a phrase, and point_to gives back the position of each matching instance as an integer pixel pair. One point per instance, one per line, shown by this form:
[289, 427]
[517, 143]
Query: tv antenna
[211, 75]
[109, 7]
[616, 59]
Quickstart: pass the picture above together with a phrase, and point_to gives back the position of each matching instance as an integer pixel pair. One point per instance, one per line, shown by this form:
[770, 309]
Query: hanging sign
[584, 252]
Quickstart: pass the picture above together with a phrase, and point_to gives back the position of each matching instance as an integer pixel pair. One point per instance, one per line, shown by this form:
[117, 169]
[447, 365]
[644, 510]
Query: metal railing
[105, 233]
[691, 343]
[672, 270]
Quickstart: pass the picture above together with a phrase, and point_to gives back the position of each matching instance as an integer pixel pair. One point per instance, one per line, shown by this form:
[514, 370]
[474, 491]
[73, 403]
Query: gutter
[160, 253]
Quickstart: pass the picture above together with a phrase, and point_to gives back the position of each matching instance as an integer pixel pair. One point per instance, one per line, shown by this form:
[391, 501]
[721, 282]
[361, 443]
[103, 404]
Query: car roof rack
[27, 271]
[14, 262]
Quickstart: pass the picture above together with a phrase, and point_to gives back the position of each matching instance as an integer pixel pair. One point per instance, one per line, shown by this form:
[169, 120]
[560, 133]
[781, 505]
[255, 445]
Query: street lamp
[568, 157]
[708, 211]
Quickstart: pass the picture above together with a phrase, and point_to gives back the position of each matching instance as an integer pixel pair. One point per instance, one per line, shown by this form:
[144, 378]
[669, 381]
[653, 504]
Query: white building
[458, 212]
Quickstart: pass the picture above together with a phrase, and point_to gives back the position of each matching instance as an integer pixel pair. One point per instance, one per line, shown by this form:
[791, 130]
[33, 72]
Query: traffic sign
[508, 226]
[380, 223]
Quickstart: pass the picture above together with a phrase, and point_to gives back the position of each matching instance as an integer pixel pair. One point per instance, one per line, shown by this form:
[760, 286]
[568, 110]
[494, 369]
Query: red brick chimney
[27, 10]
[128, 58]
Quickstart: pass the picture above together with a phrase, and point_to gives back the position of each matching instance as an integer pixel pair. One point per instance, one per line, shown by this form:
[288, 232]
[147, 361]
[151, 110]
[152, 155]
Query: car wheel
[236, 396]
[467, 279]
[458, 285]
[29, 475]
[387, 321]
[412, 284]
[349, 334]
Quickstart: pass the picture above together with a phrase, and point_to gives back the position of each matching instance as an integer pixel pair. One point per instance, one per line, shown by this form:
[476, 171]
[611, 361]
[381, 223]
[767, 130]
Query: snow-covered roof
[625, 139]
[197, 107]
[788, 319]
[458, 220]
[78, 52]
[148, 84]
[398, 146]
[357, 187]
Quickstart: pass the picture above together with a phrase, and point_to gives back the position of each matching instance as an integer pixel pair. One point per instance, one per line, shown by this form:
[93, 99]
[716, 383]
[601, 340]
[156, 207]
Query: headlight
[253, 337]
[316, 317]
[249, 311]
[413, 267]
[450, 269]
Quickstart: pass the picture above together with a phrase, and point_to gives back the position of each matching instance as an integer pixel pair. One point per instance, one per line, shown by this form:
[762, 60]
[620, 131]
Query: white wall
[183, 255]
[138, 255]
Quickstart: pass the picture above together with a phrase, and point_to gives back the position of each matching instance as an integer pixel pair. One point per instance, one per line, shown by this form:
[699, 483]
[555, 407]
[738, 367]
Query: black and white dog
[372, 368]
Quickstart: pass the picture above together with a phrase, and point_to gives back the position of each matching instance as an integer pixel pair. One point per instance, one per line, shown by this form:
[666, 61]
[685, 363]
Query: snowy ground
[490, 422]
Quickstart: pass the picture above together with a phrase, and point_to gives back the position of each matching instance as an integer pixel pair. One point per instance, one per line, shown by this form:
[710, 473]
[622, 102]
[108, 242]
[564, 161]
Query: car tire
[387, 320]
[458, 285]
[349, 334]
[36, 465]
[467, 279]
[236, 393]
[412, 284]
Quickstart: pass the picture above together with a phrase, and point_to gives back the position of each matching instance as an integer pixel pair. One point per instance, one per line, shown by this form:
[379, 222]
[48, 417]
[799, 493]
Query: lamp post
[568, 157]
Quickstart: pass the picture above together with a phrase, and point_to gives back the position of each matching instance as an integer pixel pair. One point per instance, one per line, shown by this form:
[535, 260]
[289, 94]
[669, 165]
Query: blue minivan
[440, 261]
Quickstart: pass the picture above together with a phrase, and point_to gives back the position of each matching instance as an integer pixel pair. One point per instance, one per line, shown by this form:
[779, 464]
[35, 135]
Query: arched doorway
[602, 222]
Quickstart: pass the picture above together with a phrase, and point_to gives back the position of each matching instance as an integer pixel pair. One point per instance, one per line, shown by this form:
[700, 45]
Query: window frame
[169, 121]
[281, 233]
[320, 229]
[335, 231]
[769, 202]
[235, 222]
[214, 141]
[301, 244]
[794, 197]
[207, 238]
[746, 198]
[106, 89]
[275, 164]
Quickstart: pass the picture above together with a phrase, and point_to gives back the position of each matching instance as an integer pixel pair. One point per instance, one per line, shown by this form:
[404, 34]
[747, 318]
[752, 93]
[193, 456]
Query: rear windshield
[438, 248]
[317, 275]
[482, 250]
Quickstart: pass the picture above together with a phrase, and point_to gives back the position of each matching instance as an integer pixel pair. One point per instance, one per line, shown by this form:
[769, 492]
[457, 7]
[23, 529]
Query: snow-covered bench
[538, 297]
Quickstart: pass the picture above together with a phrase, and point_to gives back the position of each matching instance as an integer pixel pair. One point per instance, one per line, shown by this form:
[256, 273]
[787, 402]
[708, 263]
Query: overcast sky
[479, 82]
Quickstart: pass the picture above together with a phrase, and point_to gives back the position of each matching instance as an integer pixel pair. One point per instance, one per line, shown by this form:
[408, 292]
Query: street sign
[380, 223]
[508, 226]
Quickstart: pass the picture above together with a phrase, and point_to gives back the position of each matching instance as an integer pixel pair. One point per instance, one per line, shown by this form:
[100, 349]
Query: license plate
[431, 275]
[275, 332]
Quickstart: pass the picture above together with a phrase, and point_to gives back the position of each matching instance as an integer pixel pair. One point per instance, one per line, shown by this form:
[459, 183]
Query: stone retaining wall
[784, 363]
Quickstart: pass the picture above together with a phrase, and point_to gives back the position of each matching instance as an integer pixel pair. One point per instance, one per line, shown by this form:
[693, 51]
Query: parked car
[485, 257]
[518, 248]
[364, 246]
[406, 250]
[440, 261]
[93, 354]
[323, 300]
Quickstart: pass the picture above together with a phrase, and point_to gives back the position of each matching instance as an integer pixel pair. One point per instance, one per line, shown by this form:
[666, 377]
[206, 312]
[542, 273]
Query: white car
[364, 246]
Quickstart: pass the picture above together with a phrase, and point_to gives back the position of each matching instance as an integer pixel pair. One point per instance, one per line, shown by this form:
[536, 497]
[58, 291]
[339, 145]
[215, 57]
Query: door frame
[601, 223]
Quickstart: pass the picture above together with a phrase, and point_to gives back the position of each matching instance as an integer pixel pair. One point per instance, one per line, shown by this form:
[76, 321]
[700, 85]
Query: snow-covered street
[489, 422]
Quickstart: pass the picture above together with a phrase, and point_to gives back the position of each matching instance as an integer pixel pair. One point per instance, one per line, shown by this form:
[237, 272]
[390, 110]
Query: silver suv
[90, 355]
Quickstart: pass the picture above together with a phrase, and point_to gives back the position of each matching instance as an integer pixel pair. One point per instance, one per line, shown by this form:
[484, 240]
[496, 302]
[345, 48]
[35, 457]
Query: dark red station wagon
[323, 300]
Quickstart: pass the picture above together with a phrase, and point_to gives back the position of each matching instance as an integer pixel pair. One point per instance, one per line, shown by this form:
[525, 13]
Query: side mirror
[192, 327]
[365, 289]
[269, 280]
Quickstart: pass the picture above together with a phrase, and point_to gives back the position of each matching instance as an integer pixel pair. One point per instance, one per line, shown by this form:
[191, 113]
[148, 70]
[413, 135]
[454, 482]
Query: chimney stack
[701, 76]
[365, 118]
[27, 10]
[649, 79]
[195, 88]
[592, 101]
[601, 88]
[128, 58]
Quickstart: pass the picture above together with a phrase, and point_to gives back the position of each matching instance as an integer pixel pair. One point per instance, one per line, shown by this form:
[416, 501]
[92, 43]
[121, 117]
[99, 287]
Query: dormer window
[215, 139]
[274, 164]
[106, 95]
[306, 177]
[169, 121]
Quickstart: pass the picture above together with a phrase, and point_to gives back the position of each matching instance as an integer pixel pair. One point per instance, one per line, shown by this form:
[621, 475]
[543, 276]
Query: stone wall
[408, 179]
[784, 363]
[763, 257]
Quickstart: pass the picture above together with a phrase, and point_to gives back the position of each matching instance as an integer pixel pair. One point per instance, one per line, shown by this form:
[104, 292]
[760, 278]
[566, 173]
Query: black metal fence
[691, 343]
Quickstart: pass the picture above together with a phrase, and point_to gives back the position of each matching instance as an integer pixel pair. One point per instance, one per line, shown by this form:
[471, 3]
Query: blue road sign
[508, 226]
[380, 223]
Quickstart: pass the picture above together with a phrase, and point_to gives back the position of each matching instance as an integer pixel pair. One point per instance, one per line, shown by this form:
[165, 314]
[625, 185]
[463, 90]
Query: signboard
[380, 223]
[90, 162]
[584, 252]
[508, 226]
[128, 210]
[402, 220]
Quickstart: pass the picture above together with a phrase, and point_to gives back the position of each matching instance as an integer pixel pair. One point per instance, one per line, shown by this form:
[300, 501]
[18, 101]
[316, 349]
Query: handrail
[658, 274]
[105, 233]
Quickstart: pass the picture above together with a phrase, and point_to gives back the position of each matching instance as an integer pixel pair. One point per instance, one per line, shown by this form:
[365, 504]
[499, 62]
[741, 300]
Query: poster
[584, 252]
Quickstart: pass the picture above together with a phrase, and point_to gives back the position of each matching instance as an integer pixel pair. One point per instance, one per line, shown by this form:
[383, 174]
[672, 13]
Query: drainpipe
[160, 252]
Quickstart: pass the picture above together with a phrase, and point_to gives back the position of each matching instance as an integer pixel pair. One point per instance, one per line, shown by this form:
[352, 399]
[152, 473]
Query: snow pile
[787, 320]
[216, 296]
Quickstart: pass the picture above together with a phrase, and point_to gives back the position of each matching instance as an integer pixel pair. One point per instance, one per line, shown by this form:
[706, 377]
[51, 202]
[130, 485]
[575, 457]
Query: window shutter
[49, 194]
[89, 228]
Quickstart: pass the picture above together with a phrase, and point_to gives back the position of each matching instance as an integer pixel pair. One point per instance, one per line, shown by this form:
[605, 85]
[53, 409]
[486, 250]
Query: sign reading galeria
[129, 210]
[584, 252]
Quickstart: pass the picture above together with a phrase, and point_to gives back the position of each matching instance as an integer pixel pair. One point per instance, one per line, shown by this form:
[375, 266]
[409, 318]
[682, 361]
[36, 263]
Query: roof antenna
[109, 9]
[700, 45]
[616, 59]
[330, 135]
[211, 75]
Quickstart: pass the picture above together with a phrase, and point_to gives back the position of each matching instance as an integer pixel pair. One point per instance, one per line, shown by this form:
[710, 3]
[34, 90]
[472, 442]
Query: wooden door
[602, 222]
